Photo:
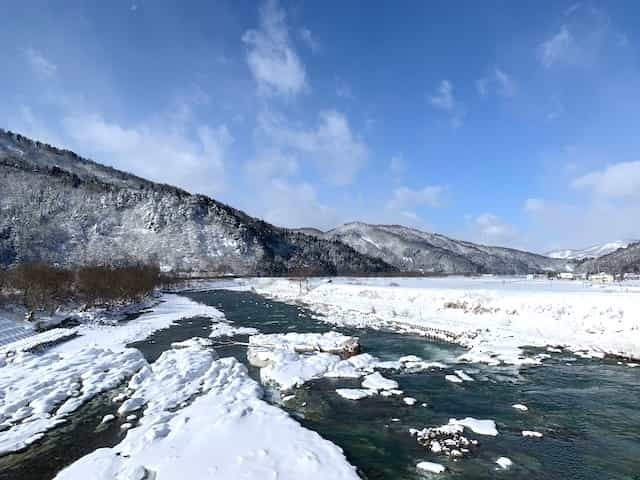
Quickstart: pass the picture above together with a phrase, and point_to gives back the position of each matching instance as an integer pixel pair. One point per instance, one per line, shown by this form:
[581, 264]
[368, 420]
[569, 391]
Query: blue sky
[511, 123]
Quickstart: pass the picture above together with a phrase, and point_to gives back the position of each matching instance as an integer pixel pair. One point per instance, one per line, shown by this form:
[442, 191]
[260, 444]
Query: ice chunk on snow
[355, 393]
[430, 467]
[222, 329]
[481, 427]
[376, 381]
[131, 405]
[463, 376]
[331, 342]
[193, 342]
[108, 418]
[504, 462]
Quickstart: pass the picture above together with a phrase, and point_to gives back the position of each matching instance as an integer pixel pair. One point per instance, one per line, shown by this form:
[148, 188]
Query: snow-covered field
[493, 316]
[176, 408]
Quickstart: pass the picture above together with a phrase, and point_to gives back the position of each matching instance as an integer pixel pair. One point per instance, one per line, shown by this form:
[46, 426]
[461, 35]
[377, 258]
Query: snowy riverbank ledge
[194, 402]
[493, 317]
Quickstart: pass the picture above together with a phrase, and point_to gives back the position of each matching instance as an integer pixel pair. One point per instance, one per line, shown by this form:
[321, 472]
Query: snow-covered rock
[376, 381]
[355, 393]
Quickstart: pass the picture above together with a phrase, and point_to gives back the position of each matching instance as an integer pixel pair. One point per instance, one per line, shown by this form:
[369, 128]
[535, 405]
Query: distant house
[566, 275]
[632, 276]
[601, 277]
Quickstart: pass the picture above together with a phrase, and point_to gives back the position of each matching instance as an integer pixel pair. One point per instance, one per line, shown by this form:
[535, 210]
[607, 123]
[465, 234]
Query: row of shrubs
[40, 286]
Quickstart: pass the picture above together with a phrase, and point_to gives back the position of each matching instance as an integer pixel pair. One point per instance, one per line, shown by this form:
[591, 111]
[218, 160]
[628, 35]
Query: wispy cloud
[443, 99]
[405, 198]
[274, 63]
[39, 63]
[620, 180]
[161, 153]
[556, 49]
[497, 81]
[336, 150]
[309, 40]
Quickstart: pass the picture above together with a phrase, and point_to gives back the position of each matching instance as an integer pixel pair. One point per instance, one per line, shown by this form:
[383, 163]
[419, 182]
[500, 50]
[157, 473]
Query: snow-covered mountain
[59, 208]
[413, 250]
[595, 251]
[622, 260]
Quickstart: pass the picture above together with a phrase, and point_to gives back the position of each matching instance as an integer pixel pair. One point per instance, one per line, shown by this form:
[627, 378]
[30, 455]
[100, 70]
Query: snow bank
[222, 329]
[170, 309]
[430, 467]
[355, 393]
[38, 340]
[225, 432]
[492, 317]
[481, 427]
[40, 391]
[290, 360]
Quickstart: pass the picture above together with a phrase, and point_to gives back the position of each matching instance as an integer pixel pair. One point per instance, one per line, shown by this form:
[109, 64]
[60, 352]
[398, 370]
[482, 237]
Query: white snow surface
[594, 251]
[492, 316]
[226, 432]
[504, 462]
[38, 392]
[199, 417]
[289, 360]
[481, 427]
[430, 467]
[170, 309]
[355, 393]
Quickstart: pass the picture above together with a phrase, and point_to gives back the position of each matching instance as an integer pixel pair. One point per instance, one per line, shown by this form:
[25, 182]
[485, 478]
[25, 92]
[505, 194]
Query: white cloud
[272, 60]
[621, 180]
[309, 39]
[161, 153]
[337, 152]
[343, 90]
[491, 229]
[556, 48]
[443, 98]
[405, 198]
[292, 205]
[534, 205]
[272, 164]
[497, 80]
[40, 64]
[397, 165]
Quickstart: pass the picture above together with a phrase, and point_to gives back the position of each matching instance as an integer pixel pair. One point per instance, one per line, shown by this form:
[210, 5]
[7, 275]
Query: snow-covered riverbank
[493, 317]
[175, 408]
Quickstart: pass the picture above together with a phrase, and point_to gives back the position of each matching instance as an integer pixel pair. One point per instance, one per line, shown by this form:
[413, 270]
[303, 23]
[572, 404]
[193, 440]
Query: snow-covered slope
[595, 251]
[57, 207]
[412, 250]
[623, 260]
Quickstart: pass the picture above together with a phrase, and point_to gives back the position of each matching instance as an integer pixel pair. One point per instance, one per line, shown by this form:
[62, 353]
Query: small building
[632, 276]
[601, 277]
[566, 275]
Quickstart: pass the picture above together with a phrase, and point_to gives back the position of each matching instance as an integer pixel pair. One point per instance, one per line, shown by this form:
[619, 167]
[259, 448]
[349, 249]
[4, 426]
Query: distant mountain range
[59, 208]
[595, 251]
[412, 250]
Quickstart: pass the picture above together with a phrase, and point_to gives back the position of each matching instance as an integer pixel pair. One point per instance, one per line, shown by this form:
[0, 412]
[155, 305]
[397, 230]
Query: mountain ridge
[410, 249]
[60, 208]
